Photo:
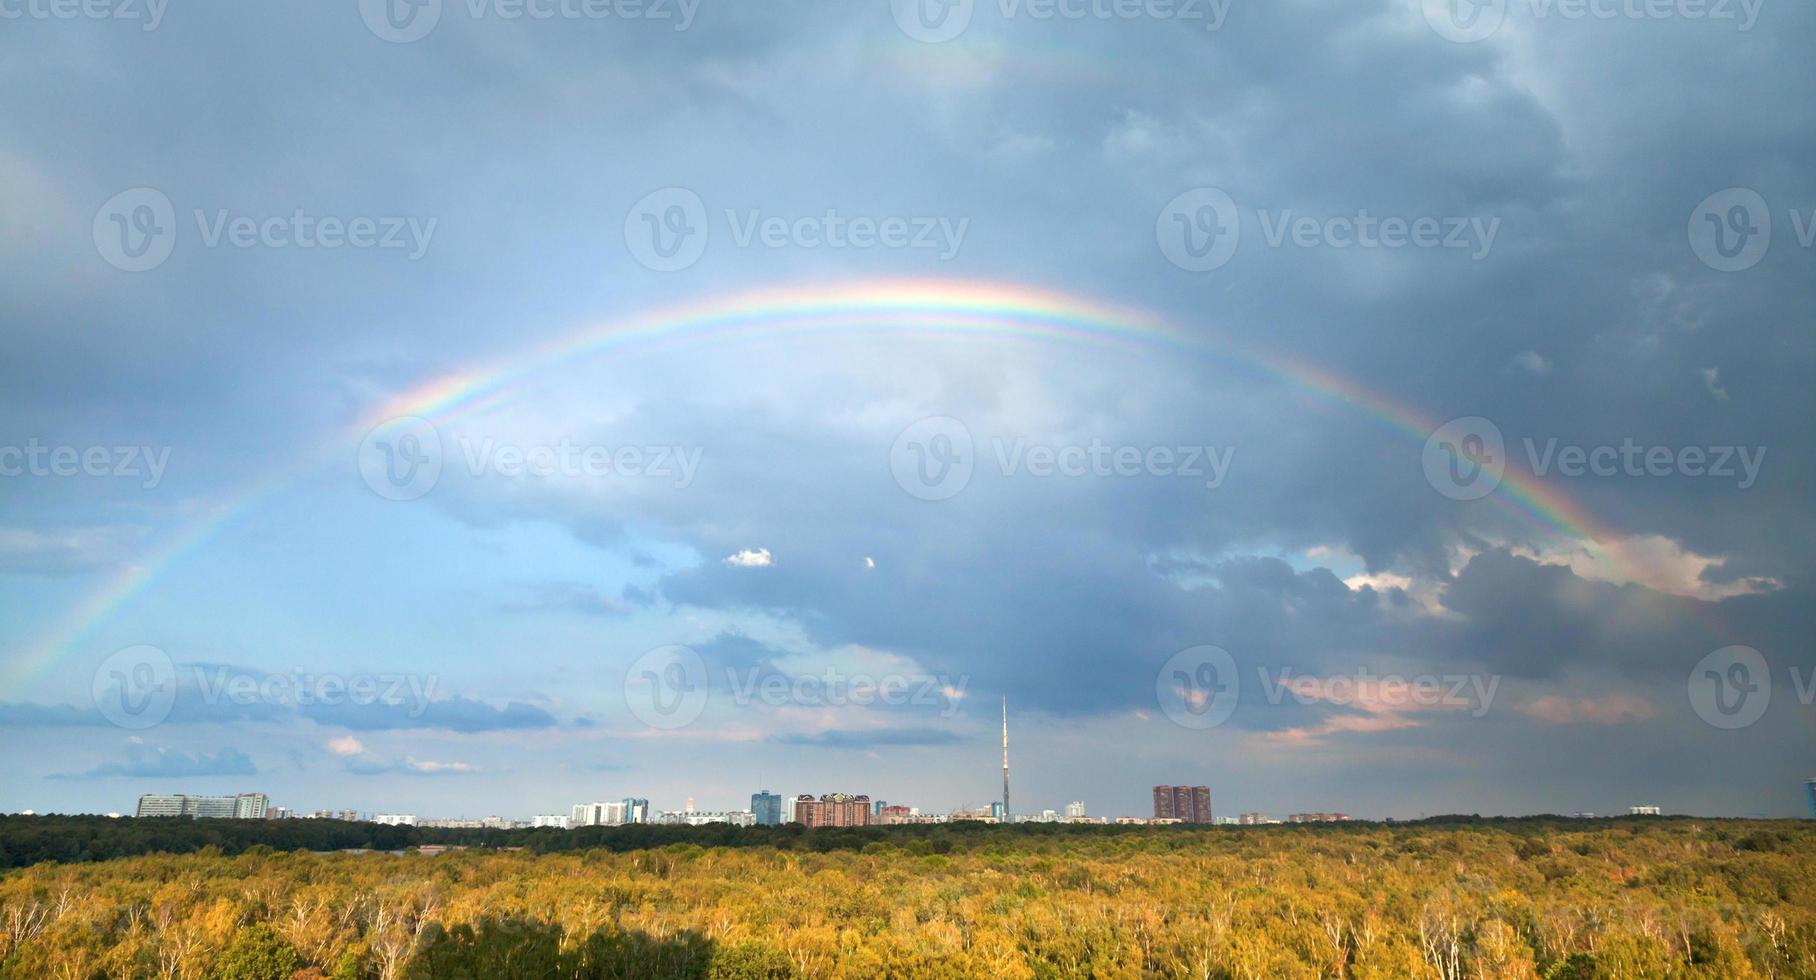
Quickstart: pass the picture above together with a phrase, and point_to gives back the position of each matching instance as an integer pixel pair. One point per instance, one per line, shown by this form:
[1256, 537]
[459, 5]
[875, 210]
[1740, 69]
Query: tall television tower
[1005, 759]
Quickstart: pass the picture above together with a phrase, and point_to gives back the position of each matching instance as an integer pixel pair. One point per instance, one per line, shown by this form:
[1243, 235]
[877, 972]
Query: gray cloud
[146, 762]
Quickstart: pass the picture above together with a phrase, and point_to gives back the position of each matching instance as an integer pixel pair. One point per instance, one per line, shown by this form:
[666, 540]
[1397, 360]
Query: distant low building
[700, 818]
[895, 814]
[395, 819]
[1644, 811]
[556, 820]
[1317, 817]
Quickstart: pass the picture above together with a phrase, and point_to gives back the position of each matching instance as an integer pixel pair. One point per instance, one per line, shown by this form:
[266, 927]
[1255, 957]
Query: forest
[1441, 899]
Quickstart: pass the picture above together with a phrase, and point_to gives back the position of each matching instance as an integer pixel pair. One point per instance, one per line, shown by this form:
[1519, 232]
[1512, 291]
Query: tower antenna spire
[1005, 758]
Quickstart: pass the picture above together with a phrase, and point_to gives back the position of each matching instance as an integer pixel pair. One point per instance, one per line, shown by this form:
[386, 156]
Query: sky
[471, 407]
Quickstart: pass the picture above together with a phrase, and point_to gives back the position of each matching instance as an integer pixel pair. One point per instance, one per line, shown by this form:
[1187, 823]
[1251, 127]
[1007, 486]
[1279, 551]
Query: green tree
[257, 953]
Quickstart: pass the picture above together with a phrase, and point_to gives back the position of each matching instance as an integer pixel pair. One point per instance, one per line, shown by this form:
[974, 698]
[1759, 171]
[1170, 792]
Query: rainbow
[915, 308]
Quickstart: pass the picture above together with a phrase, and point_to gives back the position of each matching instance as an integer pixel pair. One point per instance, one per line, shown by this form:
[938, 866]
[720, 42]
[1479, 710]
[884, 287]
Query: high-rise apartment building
[833, 810]
[610, 813]
[243, 806]
[1187, 804]
[767, 808]
[1075, 810]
